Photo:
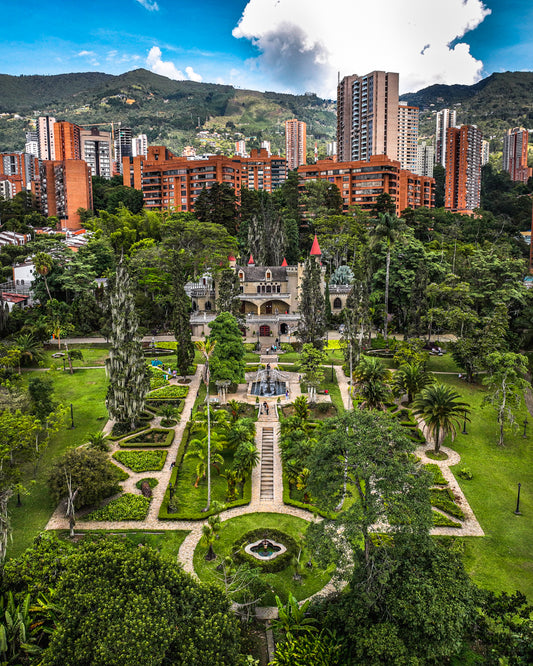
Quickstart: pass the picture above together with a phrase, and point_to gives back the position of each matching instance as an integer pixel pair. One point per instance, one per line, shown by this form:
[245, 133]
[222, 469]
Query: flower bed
[125, 507]
[154, 437]
[141, 461]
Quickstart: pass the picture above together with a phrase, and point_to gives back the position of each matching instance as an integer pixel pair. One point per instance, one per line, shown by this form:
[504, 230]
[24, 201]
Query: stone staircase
[266, 490]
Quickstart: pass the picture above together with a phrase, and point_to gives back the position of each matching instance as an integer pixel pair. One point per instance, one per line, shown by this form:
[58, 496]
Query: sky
[280, 45]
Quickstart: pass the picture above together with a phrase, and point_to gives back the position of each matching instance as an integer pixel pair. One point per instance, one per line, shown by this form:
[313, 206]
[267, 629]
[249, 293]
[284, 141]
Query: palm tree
[387, 229]
[441, 409]
[197, 449]
[235, 410]
[301, 407]
[411, 378]
[206, 348]
[43, 265]
[246, 458]
[241, 432]
[371, 378]
[29, 348]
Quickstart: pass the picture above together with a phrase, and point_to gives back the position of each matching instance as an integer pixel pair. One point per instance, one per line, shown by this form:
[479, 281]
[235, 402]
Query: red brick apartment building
[17, 171]
[63, 187]
[360, 183]
[515, 147]
[67, 141]
[174, 182]
[463, 169]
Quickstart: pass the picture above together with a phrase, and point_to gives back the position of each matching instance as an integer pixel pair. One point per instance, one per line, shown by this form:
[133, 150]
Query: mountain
[168, 112]
[495, 104]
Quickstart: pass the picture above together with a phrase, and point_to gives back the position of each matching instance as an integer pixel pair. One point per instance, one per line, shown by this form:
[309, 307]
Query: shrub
[151, 482]
[465, 473]
[279, 563]
[442, 498]
[154, 437]
[141, 461]
[286, 347]
[125, 507]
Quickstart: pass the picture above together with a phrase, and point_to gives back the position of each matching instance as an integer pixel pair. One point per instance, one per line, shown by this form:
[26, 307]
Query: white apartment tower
[45, 137]
[407, 136]
[445, 118]
[139, 146]
[425, 159]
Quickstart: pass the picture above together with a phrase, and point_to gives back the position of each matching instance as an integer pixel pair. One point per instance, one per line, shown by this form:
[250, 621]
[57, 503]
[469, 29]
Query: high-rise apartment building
[96, 151]
[240, 148]
[425, 159]
[485, 152]
[32, 143]
[45, 135]
[295, 143]
[515, 145]
[64, 186]
[445, 118]
[139, 146]
[123, 145]
[407, 136]
[20, 169]
[463, 168]
[367, 116]
[265, 145]
[67, 143]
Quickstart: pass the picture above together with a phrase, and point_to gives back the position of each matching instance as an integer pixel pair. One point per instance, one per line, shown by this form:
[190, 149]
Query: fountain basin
[265, 549]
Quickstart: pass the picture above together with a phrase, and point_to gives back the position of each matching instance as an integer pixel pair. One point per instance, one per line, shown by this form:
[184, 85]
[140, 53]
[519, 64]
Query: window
[337, 303]
[241, 275]
[268, 275]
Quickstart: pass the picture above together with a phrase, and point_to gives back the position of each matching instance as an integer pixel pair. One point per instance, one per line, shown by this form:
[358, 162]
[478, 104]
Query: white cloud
[150, 5]
[192, 75]
[168, 68]
[303, 44]
[82, 54]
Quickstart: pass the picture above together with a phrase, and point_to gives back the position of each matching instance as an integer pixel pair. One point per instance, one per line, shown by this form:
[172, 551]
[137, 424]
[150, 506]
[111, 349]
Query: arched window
[241, 275]
[268, 275]
[269, 289]
[208, 305]
[337, 303]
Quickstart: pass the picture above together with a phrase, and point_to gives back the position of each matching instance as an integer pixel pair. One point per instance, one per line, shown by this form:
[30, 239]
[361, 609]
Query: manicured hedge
[142, 461]
[443, 521]
[438, 478]
[125, 507]
[146, 439]
[442, 498]
[240, 556]
[115, 438]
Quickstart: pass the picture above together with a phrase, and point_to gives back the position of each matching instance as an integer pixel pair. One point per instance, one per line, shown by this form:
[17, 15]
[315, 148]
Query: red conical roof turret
[251, 261]
[284, 262]
[315, 248]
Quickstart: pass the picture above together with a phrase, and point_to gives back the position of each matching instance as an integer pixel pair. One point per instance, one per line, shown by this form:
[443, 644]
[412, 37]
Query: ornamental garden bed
[171, 391]
[443, 499]
[125, 507]
[240, 556]
[156, 404]
[435, 471]
[440, 520]
[278, 583]
[153, 437]
[141, 461]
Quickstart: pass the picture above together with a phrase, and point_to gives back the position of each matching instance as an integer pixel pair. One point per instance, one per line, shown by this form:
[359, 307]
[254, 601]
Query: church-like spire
[315, 248]
[284, 262]
[251, 261]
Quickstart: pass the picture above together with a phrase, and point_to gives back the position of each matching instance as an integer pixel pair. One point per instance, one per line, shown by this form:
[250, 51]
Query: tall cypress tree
[128, 380]
[181, 319]
[228, 294]
[312, 326]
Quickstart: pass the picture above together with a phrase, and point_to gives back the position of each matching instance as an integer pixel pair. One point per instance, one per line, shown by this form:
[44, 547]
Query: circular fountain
[265, 549]
[269, 382]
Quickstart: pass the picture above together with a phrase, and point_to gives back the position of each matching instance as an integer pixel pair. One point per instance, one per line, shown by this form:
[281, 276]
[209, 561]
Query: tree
[228, 293]
[411, 378]
[128, 380]
[319, 649]
[227, 363]
[312, 324]
[206, 348]
[311, 361]
[125, 605]
[387, 229]
[372, 451]
[41, 391]
[87, 469]
[218, 205]
[356, 321]
[371, 378]
[506, 385]
[198, 449]
[441, 409]
[181, 324]
[30, 349]
[43, 265]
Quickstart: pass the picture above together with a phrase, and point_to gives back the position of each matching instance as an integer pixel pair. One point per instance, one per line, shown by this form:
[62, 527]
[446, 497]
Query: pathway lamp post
[517, 510]
[525, 428]
[464, 426]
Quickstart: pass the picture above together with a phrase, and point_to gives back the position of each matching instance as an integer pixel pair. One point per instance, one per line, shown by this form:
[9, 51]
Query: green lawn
[281, 582]
[502, 559]
[331, 386]
[85, 389]
[92, 356]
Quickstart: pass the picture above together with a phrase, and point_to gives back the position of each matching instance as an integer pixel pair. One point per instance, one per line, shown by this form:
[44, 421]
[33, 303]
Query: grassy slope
[89, 415]
[502, 559]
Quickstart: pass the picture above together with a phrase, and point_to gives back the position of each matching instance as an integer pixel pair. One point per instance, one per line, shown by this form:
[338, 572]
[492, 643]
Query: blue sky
[284, 45]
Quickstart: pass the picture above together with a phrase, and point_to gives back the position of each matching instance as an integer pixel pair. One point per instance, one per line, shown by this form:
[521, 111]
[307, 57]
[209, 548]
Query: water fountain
[265, 549]
[269, 382]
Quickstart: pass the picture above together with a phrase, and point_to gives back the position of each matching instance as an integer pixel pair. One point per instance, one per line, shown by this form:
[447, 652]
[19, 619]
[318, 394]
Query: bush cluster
[172, 391]
[443, 521]
[435, 471]
[155, 437]
[442, 498]
[268, 566]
